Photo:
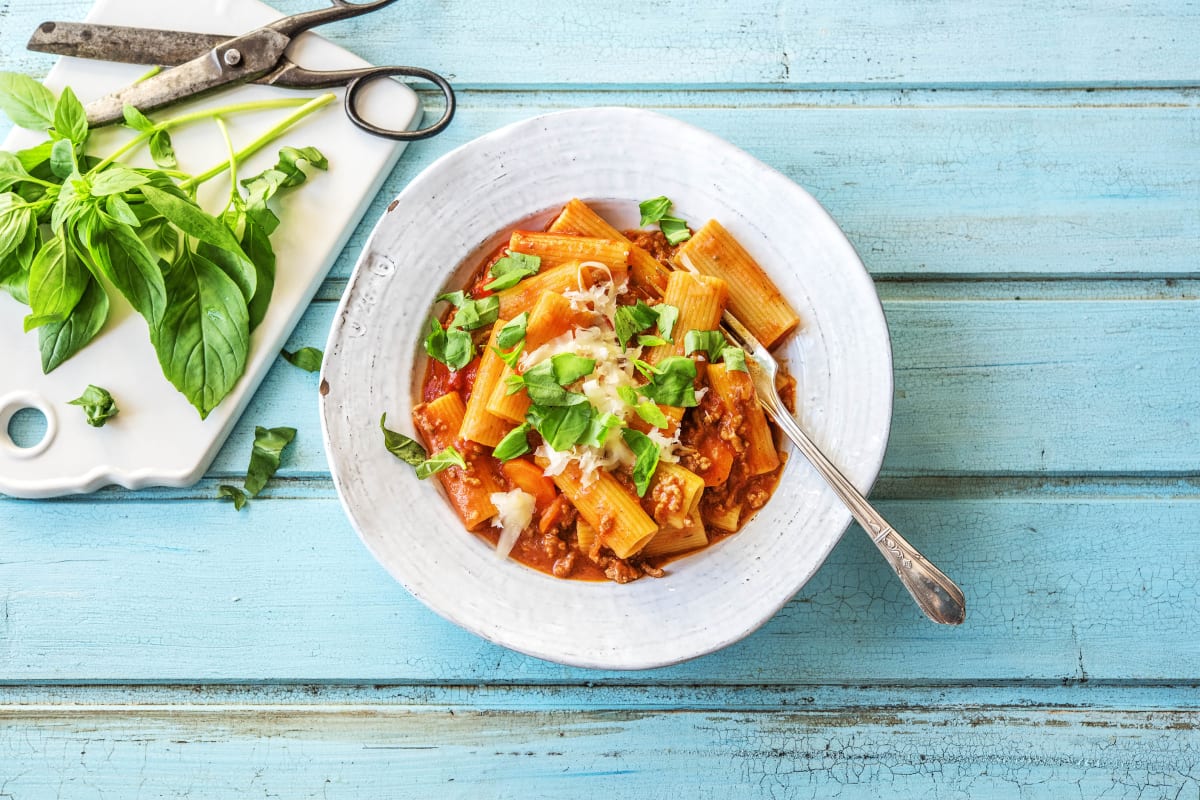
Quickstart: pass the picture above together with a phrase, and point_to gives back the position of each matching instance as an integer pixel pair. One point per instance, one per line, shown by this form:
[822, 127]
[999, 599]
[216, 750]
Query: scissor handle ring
[356, 85]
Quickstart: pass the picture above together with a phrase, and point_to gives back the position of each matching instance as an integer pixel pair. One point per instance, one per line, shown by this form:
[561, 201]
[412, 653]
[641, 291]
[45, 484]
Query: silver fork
[937, 595]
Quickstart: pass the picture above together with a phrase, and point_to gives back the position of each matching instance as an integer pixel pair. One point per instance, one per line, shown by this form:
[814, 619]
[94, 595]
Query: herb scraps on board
[98, 404]
[72, 225]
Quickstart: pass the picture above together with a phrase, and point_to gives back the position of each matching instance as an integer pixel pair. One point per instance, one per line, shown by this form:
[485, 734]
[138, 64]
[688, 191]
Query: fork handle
[937, 595]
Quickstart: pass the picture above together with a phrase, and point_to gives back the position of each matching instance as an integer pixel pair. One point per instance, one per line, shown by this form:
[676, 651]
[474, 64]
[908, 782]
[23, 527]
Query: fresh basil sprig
[71, 223]
[632, 320]
[670, 382]
[441, 461]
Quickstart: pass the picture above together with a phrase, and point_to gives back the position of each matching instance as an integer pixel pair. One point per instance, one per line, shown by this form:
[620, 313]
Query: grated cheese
[514, 513]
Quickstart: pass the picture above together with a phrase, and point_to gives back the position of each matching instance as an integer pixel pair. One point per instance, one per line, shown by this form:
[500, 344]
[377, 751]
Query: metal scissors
[202, 63]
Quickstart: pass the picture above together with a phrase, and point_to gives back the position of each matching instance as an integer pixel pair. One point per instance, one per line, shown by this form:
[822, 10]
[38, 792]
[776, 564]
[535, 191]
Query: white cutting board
[159, 439]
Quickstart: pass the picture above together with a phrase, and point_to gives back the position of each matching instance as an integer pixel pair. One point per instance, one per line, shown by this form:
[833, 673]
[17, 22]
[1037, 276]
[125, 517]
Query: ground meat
[654, 243]
[757, 497]
[621, 571]
[666, 499]
[696, 462]
[563, 566]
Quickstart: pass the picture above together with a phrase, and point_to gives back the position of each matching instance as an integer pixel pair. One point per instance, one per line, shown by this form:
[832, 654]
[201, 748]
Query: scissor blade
[122, 44]
[258, 53]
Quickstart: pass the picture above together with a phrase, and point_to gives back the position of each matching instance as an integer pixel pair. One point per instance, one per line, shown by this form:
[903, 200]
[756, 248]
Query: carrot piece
[528, 477]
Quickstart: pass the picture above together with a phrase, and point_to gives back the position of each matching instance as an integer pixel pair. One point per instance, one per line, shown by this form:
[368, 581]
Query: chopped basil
[653, 210]
[98, 404]
[562, 427]
[647, 453]
[510, 357]
[651, 413]
[452, 347]
[646, 340]
[711, 343]
[668, 315]
[599, 428]
[306, 358]
[515, 443]
[512, 269]
[631, 320]
[628, 394]
[440, 461]
[514, 331]
[472, 314]
[227, 492]
[545, 381]
[672, 382]
[735, 359]
[675, 229]
[265, 456]
[407, 450]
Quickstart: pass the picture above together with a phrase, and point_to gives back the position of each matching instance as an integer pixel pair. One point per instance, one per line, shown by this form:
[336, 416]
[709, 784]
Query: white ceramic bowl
[436, 232]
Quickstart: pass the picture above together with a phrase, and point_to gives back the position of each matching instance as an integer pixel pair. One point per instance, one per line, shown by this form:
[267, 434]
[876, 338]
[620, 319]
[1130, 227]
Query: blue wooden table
[1022, 180]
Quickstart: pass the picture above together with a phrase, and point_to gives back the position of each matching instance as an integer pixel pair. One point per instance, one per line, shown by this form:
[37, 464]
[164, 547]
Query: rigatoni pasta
[587, 416]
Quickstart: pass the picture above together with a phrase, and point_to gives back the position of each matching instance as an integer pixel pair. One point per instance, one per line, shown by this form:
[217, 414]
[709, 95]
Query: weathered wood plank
[625, 43]
[1065, 589]
[928, 191]
[221, 752]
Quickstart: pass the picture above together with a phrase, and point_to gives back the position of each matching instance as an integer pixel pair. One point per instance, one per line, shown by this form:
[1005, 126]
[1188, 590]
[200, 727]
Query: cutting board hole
[27, 425]
[27, 428]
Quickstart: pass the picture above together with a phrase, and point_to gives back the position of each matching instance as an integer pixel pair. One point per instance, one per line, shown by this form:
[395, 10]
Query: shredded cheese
[514, 513]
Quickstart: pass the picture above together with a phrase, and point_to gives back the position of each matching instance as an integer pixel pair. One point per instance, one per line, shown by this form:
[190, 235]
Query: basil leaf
[452, 346]
[511, 358]
[569, 368]
[628, 394]
[306, 358]
[544, 382]
[630, 320]
[57, 281]
[561, 427]
[672, 382]
[668, 315]
[652, 414]
[472, 314]
[711, 343]
[62, 159]
[58, 341]
[14, 268]
[98, 404]
[116, 180]
[735, 359]
[11, 170]
[225, 491]
[512, 269]
[439, 462]
[26, 102]
[203, 339]
[514, 331]
[256, 244]
[120, 211]
[265, 456]
[161, 240]
[15, 218]
[647, 453]
[515, 443]
[653, 210]
[225, 251]
[651, 341]
[675, 229]
[407, 450]
[162, 151]
[70, 120]
[287, 172]
[123, 258]
[598, 430]
[136, 119]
